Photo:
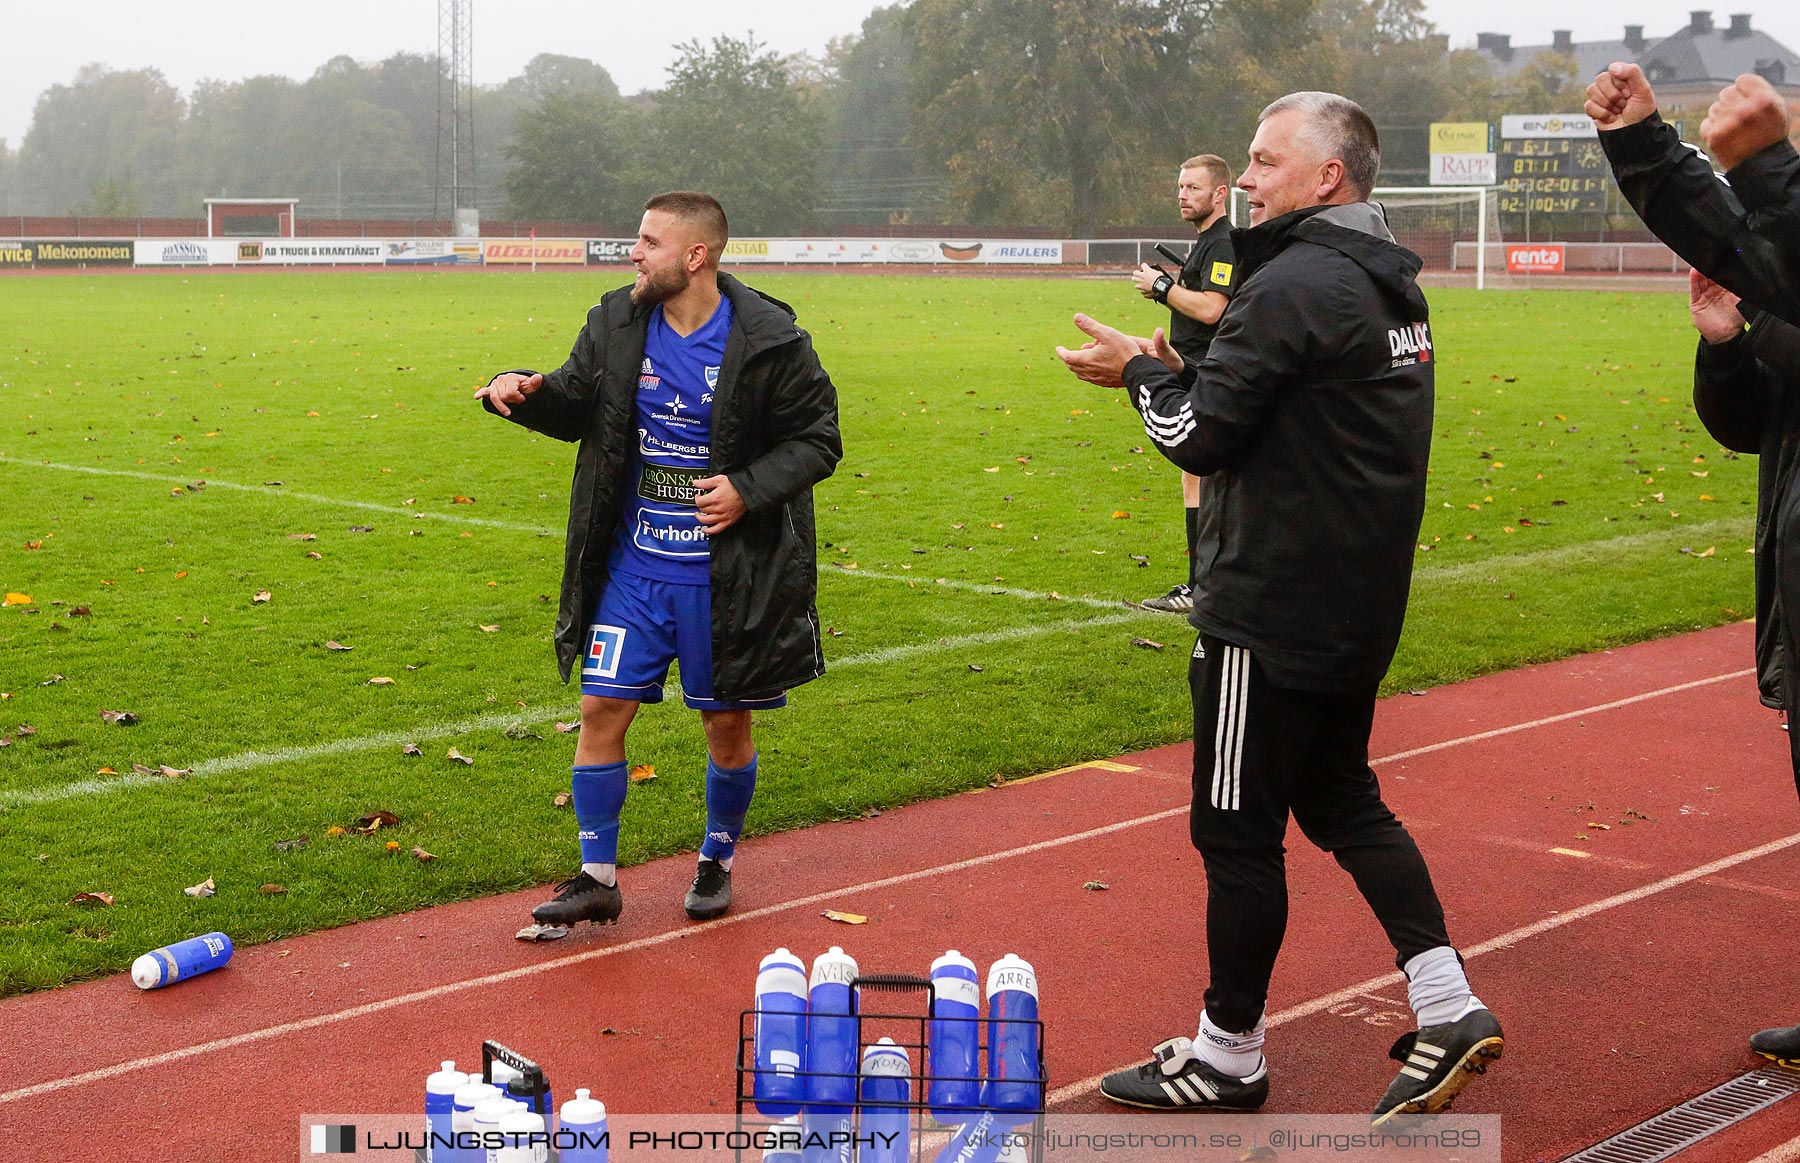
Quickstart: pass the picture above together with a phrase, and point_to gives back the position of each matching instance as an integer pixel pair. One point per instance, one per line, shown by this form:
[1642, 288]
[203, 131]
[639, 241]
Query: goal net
[1455, 229]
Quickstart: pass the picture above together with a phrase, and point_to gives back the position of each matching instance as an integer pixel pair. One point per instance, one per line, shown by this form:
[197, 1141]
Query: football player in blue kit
[704, 419]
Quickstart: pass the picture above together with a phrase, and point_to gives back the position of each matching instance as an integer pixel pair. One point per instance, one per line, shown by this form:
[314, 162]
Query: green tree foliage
[869, 171]
[732, 124]
[575, 155]
[105, 126]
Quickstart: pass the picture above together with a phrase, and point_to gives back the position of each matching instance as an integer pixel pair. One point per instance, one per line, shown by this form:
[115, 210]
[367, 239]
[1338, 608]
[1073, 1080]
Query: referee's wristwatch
[1159, 290]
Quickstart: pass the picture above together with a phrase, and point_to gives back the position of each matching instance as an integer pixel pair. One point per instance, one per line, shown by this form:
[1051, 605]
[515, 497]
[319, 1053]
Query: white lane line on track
[1062, 1094]
[1503, 941]
[247, 760]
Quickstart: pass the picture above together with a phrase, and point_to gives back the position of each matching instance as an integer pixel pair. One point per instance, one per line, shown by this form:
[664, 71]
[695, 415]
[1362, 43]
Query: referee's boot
[581, 898]
[1436, 1062]
[1179, 600]
[1176, 1079]
[1780, 1045]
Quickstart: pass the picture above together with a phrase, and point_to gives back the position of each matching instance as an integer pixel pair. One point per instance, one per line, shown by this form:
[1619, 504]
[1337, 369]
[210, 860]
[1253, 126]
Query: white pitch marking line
[251, 759]
[1063, 1094]
[1503, 941]
[525, 971]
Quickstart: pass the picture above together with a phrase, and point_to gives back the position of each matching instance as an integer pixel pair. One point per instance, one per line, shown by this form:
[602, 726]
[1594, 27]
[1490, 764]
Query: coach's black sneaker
[581, 898]
[1174, 1079]
[1780, 1045]
[1179, 600]
[710, 894]
[1437, 1062]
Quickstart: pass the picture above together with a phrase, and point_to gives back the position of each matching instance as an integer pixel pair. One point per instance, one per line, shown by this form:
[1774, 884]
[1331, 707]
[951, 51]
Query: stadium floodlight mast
[455, 114]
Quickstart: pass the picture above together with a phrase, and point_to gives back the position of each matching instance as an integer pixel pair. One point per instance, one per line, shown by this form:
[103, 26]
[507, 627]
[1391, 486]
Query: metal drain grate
[1680, 1127]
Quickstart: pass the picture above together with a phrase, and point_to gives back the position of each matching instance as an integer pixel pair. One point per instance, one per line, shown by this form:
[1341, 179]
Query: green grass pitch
[975, 550]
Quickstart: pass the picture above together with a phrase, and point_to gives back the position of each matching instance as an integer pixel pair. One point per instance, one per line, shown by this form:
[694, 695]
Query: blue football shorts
[640, 626]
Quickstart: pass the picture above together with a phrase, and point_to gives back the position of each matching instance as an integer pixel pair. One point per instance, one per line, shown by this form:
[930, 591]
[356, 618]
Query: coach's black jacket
[774, 433]
[1745, 238]
[1311, 419]
[1747, 392]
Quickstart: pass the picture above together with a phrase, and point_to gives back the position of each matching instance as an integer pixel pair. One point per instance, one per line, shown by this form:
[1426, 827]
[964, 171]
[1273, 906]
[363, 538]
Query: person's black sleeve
[1674, 191]
[1768, 184]
[1205, 417]
[1216, 270]
[560, 406]
[1736, 382]
[804, 418]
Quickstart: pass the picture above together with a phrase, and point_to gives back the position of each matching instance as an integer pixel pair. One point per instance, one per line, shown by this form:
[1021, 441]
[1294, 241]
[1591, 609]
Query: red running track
[1627, 964]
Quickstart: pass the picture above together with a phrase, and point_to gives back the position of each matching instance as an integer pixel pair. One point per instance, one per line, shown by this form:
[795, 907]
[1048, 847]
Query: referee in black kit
[1196, 299]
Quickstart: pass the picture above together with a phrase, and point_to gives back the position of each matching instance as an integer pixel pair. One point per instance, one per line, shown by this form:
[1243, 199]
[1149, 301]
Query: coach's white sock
[1437, 988]
[1235, 1054]
[604, 873]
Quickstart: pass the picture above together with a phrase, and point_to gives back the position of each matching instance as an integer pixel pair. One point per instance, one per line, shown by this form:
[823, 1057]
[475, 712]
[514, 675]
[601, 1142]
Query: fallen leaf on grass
[272, 890]
[34, 545]
[26, 731]
[422, 856]
[168, 772]
[542, 932]
[106, 771]
[81, 612]
[143, 769]
[260, 596]
[377, 820]
[204, 889]
[996, 780]
[362, 528]
[393, 845]
[16, 600]
[411, 749]
[1120, 514]
[303, 536]
[380, 680]
[642, 773]
[489, 629]
[1146, 644]
[976, 667]
[51, 681]
[316, 556]
[1096, 886]
[5, 742]
[844, 918]
[453, 753]
[92, 899]
[520, 731]
[122, 718]
[336, 830]
[563, 799]
[334, 645]
[461, 500]
[289, 845]
[565, 728]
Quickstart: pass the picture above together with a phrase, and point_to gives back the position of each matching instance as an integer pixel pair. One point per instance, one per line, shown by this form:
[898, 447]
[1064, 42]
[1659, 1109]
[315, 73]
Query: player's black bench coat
[774, 433]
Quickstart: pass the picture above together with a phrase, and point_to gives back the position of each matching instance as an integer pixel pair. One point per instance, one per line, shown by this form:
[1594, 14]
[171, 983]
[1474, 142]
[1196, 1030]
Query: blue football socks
[599, 794]
[728, 792]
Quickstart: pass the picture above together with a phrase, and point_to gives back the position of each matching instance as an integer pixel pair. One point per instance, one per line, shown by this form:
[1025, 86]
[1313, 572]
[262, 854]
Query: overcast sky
[190, 40]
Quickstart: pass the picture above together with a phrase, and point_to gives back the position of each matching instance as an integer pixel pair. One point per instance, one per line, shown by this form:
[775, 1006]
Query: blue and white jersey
[660, 535]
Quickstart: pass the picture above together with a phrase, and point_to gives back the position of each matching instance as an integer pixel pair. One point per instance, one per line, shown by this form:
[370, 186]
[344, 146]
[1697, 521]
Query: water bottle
[180, 961]
[440, 1104]
[977, 1141]
[469, 1095]
[780, 1034]
[783, 1141]
[539, 1104]
[488, 1113]
[954, 1091]
[886, 1093]
[522, 1133]
[831, 1034]
[582, 1137]
[1014, 1085]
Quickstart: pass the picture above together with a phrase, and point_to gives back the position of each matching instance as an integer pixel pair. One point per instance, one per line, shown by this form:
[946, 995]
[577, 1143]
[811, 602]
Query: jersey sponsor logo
[605, 645]
[712, 381]
[1410, 345]
[669, 533]
[649, 445]
[1221, 274]
[671, 485]
[649, 383]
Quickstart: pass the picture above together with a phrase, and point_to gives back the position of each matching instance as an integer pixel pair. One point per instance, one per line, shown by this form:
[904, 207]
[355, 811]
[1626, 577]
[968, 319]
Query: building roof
[1702, 51]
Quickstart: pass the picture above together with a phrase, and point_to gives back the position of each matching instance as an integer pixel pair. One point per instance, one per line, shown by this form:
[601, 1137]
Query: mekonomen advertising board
[66, 252]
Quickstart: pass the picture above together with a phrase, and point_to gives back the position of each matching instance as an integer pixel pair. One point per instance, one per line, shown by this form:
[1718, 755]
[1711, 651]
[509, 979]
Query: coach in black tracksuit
[1746, 236]
[1311, 419]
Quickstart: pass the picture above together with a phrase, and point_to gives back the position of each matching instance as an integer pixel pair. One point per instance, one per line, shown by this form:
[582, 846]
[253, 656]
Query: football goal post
[1455, 229]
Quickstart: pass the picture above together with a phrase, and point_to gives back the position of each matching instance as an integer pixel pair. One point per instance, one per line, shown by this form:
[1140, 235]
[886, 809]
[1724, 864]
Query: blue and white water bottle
[1014, 1083]
[582, 1137]
[440, 1110]
[180, 961]
[831, 1034]
[884, 1134]
[488, 1113]
[779, 1085]
[462, 1118]
[783, 1141]
[523, 1137]
[954, 1091]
